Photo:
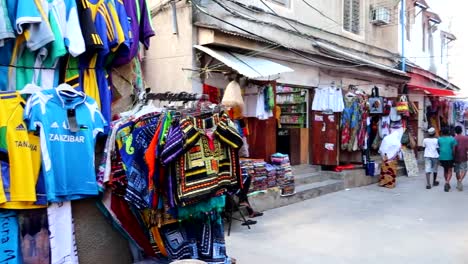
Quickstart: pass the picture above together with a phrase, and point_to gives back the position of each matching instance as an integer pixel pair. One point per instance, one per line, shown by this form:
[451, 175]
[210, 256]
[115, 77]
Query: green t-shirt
[446, 144]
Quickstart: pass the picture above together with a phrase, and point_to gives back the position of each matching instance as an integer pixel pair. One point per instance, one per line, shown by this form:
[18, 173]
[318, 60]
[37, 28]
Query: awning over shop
[252, 67]
[432, 91]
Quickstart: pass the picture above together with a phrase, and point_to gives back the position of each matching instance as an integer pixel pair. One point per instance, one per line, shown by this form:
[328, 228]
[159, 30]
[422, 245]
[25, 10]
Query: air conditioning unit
[380, 16]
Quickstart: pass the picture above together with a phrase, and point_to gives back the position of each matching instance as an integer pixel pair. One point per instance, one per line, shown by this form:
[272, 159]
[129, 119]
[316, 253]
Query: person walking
[447, 145]
[460, 157]
[431, 157]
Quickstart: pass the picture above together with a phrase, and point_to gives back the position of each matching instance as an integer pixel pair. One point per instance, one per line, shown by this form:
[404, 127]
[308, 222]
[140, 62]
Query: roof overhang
[249, 66]
[432, 91]
[422, 77]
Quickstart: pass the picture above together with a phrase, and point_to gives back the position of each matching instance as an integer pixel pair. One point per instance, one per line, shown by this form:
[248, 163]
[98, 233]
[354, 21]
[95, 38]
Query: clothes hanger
[146, 109]
[30, 88]
[68, 90]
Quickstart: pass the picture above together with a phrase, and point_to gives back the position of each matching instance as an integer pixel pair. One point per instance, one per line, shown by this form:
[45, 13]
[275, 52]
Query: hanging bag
[376, 102]
[402, 106]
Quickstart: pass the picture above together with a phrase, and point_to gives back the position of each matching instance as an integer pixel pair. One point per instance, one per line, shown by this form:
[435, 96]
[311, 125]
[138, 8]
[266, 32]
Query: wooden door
[262, 138]
[325, 138]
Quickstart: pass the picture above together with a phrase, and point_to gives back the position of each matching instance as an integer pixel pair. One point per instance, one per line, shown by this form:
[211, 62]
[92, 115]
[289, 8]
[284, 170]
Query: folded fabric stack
[247, 170]
[280, 172]
[259, 182]
[285, 177]
[271, 178]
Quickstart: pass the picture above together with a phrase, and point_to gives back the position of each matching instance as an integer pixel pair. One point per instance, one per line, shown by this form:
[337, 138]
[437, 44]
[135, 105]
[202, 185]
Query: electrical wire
[252, 9]
[273, 11]
[318, 11]
[288, 48]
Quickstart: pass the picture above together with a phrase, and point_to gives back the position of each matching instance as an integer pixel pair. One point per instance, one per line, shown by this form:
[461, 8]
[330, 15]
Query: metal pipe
[402, 22]
[175, 27]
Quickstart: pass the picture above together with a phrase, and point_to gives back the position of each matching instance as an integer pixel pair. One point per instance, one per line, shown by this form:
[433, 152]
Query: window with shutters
[352, 16]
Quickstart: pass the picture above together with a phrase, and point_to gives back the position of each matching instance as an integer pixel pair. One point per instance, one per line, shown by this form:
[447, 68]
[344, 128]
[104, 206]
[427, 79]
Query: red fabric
[130, 224]
[212, 92]
[433, 91]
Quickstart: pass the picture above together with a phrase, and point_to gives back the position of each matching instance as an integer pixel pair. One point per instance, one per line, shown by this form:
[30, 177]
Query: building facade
[344, 42]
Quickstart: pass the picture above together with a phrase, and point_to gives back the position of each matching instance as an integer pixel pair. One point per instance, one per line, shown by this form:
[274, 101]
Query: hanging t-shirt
[328, 98]
[140, 27]
[92, 76]
[6, 51]
[261, 113]
[62, 234]
[63, 18]
[30, 17]
[6, 30]
[19, 155]
[9, 247]
[30, 21]
[67, 156]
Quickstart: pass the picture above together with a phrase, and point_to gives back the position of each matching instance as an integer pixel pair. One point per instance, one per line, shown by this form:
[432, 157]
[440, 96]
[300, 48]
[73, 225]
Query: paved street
[408, 224]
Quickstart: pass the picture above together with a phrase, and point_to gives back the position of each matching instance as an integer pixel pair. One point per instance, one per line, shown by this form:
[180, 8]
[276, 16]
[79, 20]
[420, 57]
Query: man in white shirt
[431, 157]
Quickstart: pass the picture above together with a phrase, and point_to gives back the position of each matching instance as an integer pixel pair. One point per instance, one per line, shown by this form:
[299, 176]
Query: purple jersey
[140, 28]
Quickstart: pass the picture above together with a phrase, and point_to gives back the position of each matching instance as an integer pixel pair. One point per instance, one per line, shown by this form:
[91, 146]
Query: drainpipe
[175, 28]
[402, 22]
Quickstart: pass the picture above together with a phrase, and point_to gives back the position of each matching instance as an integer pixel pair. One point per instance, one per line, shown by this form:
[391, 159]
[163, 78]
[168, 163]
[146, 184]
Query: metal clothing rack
[172, 97]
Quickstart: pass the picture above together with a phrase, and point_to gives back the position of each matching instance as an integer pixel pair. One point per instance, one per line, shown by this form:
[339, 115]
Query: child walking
[431, 157]
[447, 145]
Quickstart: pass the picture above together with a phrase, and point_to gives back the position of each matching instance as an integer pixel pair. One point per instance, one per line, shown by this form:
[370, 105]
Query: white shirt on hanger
[328, 98]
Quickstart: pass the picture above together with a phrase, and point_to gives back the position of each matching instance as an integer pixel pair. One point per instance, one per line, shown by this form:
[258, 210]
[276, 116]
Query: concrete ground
[408, 224]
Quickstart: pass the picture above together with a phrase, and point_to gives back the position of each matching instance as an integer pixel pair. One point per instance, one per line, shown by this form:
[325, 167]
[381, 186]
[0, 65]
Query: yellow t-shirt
[19, 155]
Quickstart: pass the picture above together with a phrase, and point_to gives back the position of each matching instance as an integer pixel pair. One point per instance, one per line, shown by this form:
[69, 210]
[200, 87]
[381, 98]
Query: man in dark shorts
[460, 157]
[447, 145]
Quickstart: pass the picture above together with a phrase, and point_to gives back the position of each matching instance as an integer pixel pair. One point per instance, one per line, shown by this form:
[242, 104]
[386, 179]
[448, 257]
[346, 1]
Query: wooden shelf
[280, 93]
[290, 103]
[289, 113]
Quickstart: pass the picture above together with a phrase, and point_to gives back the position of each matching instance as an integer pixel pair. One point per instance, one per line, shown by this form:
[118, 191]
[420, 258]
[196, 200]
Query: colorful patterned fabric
[201, 239]
[388, 174]
[209, 166]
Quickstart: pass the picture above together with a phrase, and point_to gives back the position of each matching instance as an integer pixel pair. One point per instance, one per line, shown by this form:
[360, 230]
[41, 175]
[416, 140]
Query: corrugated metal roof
[252, 67]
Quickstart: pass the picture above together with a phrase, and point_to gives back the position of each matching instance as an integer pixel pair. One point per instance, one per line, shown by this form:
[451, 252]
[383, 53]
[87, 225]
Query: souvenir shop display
[165, 174]
[265, 175]
[258, 101]
[293, 103]
[328, 98]
[376, 102]
[354, 121]
[284, 173]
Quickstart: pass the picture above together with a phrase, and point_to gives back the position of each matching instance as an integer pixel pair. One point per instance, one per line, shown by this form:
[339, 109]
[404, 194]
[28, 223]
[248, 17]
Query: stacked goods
[247, 170]
[280, 172]
[285, 178]
[271, 176]
[259, 182]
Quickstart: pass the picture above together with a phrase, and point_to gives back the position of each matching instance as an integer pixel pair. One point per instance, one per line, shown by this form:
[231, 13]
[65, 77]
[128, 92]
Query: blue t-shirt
[9, 247]
[67, 156]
